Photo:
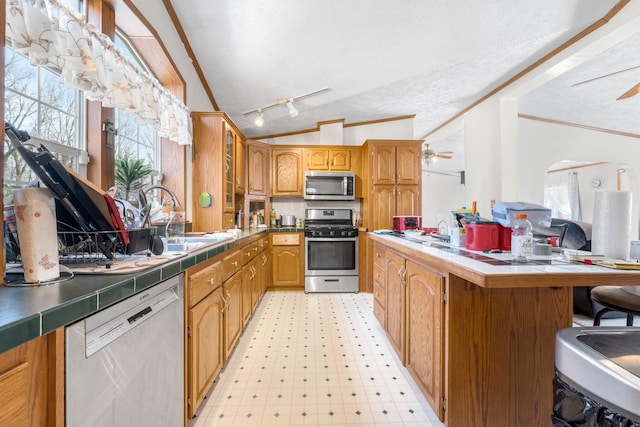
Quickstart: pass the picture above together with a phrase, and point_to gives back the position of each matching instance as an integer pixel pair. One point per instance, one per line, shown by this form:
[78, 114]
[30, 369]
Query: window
[134, 141]
[50, 112]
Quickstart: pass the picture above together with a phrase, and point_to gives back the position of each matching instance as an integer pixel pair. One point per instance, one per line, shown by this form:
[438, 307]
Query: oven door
[331, 256]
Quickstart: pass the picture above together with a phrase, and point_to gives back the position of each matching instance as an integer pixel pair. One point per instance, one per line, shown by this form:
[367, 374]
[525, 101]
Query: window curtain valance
[51, 35]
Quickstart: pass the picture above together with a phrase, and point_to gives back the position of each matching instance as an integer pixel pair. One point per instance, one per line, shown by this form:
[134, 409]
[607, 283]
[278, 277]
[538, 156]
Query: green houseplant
[131, 175]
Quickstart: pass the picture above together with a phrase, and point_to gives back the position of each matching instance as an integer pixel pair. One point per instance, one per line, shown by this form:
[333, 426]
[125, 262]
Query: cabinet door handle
[228, 294]
[224, 307]
[248, 253]
[264, 259]
[255, 249]
[234, 263]
[212, 280]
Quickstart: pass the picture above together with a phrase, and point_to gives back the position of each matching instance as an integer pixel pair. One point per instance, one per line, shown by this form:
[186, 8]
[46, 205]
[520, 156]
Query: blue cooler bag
[504, 213]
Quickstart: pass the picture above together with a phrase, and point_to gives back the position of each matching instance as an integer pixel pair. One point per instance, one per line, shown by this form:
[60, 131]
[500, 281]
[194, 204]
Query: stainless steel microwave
[329, 185]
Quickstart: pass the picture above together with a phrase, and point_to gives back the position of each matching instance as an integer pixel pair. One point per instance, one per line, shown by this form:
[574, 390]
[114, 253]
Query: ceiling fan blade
[631, 92]
[443, 156]
[605, 76]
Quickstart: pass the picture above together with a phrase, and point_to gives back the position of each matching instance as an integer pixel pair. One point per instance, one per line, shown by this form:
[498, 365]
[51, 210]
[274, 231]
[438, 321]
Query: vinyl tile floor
[314, 360]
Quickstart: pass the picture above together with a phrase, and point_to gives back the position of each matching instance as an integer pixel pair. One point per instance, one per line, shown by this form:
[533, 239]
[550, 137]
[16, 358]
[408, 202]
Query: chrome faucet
[174, 198]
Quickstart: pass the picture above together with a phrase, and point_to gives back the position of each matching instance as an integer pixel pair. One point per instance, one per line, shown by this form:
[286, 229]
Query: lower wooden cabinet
[232, 289]
[287, 250]
[425, 320]
[204, 348]
[409, 304]
[396, 297]
[32, 383]
[220, 294]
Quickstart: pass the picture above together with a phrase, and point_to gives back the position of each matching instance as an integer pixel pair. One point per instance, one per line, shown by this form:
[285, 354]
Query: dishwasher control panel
[113, 322]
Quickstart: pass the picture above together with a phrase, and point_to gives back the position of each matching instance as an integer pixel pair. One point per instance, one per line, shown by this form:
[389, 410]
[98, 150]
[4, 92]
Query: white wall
[440, 195]
[544, 144]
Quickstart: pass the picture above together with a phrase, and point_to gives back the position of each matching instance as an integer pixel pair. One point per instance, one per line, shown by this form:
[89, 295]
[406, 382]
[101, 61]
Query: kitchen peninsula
[475, 331]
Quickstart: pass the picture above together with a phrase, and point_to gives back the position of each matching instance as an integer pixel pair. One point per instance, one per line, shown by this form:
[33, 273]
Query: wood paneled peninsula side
[478, 337]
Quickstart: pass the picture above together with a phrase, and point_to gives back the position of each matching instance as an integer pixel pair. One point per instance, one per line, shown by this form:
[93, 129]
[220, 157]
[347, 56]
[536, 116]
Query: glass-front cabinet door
[229, 191]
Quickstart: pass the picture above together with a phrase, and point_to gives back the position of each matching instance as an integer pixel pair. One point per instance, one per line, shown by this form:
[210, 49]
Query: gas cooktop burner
[329, 223]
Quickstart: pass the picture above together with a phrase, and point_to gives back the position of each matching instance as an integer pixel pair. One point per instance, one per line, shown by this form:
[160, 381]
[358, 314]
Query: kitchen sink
[192, 243]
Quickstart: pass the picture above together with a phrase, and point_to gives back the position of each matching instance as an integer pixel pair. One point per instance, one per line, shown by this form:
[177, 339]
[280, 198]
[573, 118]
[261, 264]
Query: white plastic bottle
[521, 238]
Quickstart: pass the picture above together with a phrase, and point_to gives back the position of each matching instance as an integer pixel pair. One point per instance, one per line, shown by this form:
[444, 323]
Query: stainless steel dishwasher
[124, 364]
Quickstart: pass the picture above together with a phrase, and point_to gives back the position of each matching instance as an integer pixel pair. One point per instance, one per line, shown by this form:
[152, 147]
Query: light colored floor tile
[314, 360]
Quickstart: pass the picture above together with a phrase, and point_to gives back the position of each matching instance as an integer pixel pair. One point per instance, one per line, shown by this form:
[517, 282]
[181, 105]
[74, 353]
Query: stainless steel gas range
[331, 251]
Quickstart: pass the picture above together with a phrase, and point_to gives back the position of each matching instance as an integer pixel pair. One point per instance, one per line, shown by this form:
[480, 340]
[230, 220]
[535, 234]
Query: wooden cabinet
[204, 348]
[393, 181]
[239, 171]
[286, 172]
[287, 250]
[396, 298]
[203, 293]
[425, 337]
[32, 383]
[249, 274]
[232, 290]
[218, 168]
[396, 163]
[221, 294]
[257, 168]
[415, 318]
[319, 159]
[379, 285]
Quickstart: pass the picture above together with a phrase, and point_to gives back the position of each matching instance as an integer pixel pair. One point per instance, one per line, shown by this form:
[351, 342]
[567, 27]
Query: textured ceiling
[383, 59]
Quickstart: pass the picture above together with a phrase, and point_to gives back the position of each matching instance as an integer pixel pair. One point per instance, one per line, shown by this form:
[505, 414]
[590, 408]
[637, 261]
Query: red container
[401, 223]
[482, 236]
[504, 238]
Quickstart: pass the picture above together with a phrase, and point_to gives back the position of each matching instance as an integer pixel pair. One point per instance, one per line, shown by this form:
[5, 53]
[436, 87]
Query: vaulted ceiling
[383, 59]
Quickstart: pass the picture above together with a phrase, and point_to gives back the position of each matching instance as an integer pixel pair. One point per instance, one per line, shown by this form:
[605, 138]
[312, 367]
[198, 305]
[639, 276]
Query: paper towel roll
[611, 230]
[36, 222]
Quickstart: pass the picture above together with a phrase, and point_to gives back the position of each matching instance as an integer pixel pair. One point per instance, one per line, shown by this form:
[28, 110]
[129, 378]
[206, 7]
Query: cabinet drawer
[203, 282]
[285, 239]
[378, 275]
[379, 294]
[379, 256]
[380, 313]
[263, 244]
[249, 252]
[230, 264]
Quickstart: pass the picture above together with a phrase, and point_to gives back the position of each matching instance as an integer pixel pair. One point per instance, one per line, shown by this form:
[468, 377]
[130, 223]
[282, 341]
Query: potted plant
[131, 175]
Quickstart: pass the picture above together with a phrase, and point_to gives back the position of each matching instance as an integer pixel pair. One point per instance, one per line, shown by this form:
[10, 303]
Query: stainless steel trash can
[597, 379]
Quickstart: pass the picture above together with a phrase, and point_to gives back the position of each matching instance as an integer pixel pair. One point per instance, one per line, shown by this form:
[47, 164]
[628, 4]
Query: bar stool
[615, 298]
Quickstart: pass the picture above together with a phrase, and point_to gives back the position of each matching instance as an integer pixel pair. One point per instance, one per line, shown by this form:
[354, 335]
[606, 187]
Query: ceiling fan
[430, 156]
[628, 94]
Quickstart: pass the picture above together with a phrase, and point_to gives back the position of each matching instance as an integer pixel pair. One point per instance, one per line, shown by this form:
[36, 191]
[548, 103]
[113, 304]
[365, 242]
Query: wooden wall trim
[317, 128]
[575, 125]
[196, 65]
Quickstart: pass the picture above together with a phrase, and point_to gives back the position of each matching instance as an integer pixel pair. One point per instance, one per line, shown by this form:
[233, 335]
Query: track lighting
[260, 119]
[293, 111]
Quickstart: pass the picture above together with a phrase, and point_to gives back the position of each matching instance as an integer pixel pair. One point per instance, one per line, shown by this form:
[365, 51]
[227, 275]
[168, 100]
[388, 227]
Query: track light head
[293, 111]
[259, 121]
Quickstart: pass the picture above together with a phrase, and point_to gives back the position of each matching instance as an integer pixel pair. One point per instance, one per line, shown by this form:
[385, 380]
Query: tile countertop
[29, 312]
[495, 270]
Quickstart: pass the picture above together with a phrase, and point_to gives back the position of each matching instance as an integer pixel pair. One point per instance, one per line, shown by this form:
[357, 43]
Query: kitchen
[480, 128]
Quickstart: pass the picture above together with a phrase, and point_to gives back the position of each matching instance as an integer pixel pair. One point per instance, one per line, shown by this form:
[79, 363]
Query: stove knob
[345, 233]
[331, 233]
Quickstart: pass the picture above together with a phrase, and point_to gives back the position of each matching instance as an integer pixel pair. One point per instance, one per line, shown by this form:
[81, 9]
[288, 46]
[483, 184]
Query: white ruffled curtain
[51, 35]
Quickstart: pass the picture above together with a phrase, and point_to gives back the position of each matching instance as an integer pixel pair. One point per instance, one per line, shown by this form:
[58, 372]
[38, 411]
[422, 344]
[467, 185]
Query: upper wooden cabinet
[320, 159]
[257, 168]
[397, 163]
[392, 177]
[286, 171]
[218, 169]
[240, 172]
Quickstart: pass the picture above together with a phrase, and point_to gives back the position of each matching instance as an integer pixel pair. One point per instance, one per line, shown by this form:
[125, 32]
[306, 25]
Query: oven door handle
[332, 239]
